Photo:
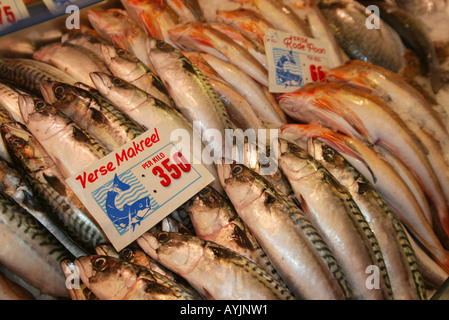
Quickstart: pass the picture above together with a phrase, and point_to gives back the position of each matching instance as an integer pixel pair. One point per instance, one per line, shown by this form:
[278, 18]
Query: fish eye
[59, 90]
[328, 154]
[237, 169]
[40, 105]
[163, 237]
[100, 264]
[18, 142]
[117, 81]
[116, 14]
[127, 254]
[121, 52]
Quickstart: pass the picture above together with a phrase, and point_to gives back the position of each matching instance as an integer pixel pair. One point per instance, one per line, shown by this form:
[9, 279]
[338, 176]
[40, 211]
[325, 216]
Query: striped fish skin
[405, 276]
[28, 73]
[190, 90]
[147, 111]
[340, 221]
[30, 250]
[70, 147]
[49, 184]
[75, 60]
[17, 186]
[111, 127]
[126, 66]
[133, 255]
[215, 219]
[214, 271]
[113, 279]
[293, 244]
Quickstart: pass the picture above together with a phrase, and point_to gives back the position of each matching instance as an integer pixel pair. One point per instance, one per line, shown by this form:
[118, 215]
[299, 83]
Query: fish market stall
[224, 150]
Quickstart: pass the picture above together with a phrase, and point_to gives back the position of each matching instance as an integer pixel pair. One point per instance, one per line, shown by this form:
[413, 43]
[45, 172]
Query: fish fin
[334, 107]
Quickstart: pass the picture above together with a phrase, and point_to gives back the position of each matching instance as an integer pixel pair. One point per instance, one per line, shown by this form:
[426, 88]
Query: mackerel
[340, 221]
[70, 147]
[111, 127]
[30, 250]
[294, 246]
[402, 267]
[113, 279]
[203, 263]
[28, 73]
[49, 184]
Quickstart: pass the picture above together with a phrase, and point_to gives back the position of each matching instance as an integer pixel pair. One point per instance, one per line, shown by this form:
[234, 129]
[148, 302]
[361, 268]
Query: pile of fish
[357, 208]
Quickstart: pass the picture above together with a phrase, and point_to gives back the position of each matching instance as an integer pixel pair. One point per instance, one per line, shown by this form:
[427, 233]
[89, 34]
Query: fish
[9, 290]
[49, 184]
[155, 17]
[147, 111]
[282, 17]
[187, 10]
[385, 179]
[309, 11]
[395, 91]
[401, 264]
[75, 60]
[15, 184]
[415, 36]
[77, 289]
[420, 7]
[116, 26]
[374, 122]
[134, 255]
[340, 222]
[249, 22]
[70, 147]
[113, 279]
[30, 250]
[215, 219]
[381, 46]
[203, 263]
[294, 246]
[28, 73]
[87, 40]
[249, 89]
[9, 100]
[197, 36]
[258, 52]
[126, 66]
[191, 92]
[111, 127]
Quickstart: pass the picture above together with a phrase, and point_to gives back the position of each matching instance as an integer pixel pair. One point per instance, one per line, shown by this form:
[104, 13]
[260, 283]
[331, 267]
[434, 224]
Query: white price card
[294, 60]
[133, 188]
[12, 11]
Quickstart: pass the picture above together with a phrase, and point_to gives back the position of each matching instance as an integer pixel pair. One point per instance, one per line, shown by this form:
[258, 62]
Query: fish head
[326, 155]
[33, 106]
[238, 181]
[106, 276]
[106, 250]
[114, 88]
[108, 21]
[122, 63]
[176, 251]
[58, 93]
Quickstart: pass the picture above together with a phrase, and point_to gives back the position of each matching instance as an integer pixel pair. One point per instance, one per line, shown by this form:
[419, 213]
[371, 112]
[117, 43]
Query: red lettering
[82, 179]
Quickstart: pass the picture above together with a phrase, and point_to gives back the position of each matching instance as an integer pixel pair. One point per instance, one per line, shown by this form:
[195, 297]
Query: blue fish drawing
[129, 215]
[287, 70]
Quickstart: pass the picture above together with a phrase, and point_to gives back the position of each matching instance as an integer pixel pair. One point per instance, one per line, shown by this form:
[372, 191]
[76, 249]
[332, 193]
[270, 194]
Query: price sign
[133, 188]
[294, 60]
[12, 11]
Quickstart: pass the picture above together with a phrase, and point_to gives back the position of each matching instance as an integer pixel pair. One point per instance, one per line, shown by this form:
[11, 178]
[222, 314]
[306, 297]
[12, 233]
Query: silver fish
[295, 248]
[30, 250]
[403, 271]
[113, 279]
[340, 221]
[203, 263]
